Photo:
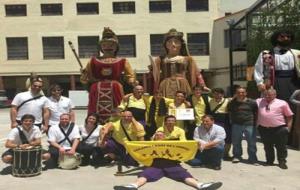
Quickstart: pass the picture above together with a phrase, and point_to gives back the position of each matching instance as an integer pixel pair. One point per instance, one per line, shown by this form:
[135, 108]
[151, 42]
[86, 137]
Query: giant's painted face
[173, 45]
[108, 47]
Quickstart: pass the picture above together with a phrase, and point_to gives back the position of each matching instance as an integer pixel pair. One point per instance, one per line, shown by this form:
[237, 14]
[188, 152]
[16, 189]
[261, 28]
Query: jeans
[237, 136]
[211, 156]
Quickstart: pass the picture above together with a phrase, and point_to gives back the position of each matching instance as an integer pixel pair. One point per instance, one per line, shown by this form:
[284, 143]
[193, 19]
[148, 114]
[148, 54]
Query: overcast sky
[235, 5]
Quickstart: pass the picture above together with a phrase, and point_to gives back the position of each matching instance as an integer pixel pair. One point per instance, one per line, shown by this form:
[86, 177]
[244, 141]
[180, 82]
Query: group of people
[115, 118]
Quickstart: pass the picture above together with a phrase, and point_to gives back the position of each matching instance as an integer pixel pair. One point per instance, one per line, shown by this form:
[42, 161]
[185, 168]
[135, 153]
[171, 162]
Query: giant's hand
[261, 87]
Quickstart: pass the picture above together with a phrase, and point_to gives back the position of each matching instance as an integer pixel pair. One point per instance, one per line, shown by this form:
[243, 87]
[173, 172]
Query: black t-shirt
[243, 113]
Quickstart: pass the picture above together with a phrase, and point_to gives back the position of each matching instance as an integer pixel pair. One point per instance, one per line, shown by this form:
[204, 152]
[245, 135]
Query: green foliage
[264, 20]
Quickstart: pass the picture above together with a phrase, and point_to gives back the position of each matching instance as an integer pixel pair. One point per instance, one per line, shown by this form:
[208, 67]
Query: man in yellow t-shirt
[125, 129]
[171, 131]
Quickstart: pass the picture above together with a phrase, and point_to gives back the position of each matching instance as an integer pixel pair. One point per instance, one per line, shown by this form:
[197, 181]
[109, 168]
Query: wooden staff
[75, 54]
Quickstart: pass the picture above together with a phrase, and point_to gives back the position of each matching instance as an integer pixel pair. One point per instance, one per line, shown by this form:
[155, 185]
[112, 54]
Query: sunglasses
[267, 107]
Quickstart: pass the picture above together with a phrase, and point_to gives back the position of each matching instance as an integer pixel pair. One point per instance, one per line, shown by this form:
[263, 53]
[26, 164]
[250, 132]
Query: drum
[27, 162]
[69, 162]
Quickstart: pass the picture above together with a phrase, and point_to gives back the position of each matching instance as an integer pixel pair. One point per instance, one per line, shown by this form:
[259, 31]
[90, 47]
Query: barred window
[87, 8]
[123, 7]
[156, 42]
[127, 46]
[197, 5]
[198, 43]
[53, 47]
[16, 10]
[17, 48]
[51, 9]
[88, 46]
[160, 6]
[238, 39]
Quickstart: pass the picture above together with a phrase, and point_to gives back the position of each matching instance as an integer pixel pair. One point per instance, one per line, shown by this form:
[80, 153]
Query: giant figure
[176, 70]
[103, 73]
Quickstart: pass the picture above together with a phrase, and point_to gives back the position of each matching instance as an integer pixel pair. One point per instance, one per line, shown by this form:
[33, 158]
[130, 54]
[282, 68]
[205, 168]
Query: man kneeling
[63, 138]
[24, 136]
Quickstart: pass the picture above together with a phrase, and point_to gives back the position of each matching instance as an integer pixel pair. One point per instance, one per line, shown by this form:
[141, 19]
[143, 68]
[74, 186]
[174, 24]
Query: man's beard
[285, 43]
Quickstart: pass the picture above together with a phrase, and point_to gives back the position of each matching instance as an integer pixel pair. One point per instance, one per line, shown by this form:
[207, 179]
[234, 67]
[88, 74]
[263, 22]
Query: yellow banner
[145, 151]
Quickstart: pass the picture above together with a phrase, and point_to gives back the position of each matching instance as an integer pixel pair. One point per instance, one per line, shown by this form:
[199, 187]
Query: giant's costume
[176, 72]
[103, 75]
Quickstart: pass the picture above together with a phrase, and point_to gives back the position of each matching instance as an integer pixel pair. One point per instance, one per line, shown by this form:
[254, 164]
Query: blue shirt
[216, 133]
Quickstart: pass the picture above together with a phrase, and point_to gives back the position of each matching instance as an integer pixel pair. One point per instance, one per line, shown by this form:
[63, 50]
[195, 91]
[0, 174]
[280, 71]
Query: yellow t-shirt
[176, 134]
[199, 109]
[223, 109]
[133, 131]
[158, 119]
[172, 108]
[133, 102]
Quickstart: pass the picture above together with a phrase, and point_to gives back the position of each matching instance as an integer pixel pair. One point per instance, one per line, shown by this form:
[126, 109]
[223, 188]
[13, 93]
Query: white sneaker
[236, 160]
[126, 187]
[210, 186]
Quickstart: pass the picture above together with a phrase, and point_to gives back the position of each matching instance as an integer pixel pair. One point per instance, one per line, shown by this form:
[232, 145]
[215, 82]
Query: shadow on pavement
[6, 171]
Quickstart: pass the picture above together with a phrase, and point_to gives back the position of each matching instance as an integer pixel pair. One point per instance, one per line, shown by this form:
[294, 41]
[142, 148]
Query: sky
[235, 5]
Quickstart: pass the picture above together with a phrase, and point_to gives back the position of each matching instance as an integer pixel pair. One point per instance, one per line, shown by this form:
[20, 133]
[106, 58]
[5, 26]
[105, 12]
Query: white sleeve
[258, 71]
[16, 100]
[71, 105]
[51, 135]
[76, 132]
[37, 133]
[13, 134]
[197, 137]
[46, 103]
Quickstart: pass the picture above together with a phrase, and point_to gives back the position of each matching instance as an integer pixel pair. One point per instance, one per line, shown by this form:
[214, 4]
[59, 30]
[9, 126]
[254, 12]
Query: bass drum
[69, 162]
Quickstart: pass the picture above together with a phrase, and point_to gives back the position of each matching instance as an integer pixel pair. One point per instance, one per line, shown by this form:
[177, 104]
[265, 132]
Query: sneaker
[210, 186]
[283, 165]
[216, 167]
[236, 160]
[124, 188]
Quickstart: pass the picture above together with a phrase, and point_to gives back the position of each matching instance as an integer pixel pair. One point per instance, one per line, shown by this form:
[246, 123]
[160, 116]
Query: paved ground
[234, 176]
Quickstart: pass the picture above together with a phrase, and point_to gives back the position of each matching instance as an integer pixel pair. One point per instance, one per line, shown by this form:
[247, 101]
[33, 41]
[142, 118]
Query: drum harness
[66, 134]
[84, 139]
[30, 99]
[23, 138]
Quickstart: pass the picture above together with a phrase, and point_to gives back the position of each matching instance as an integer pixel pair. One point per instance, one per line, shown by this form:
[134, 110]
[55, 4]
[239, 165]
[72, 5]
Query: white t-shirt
[34, 133]
[63, 105]
[56, 135]
[33, 107]
[93, 139]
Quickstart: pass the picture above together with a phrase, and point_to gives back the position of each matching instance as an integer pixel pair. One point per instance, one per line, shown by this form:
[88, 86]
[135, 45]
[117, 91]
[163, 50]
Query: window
[51, 9]
[160, 6]
[238, 39]
[196, 5]
[17, 48]
[16, 10]
[127, 46]
[123, 7]
[88, 46]
[53, 48]
[198, 43]
[156, 42]
[87, 8]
